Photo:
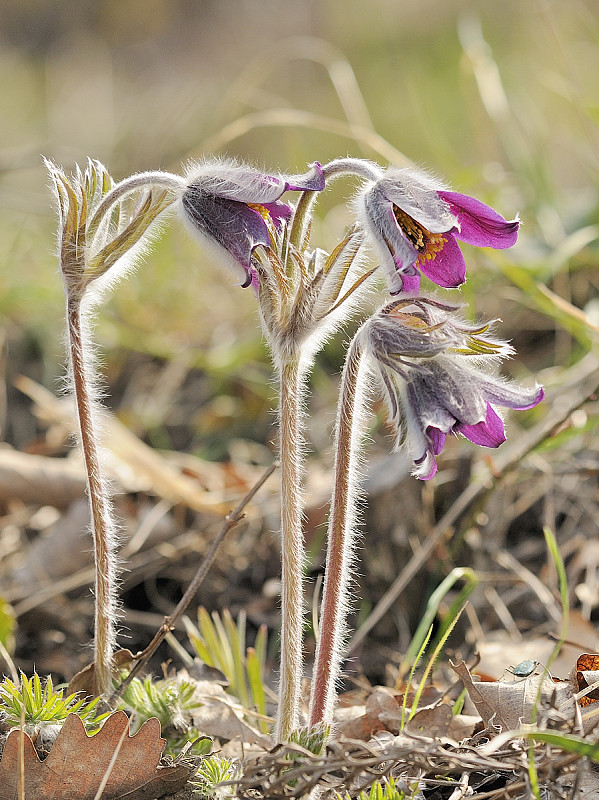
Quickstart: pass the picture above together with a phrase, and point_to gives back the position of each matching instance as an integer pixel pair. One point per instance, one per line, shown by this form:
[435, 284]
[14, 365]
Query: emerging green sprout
[220, 642]
[170, 700]
[41, 709]
[213, 771]
[388, 789]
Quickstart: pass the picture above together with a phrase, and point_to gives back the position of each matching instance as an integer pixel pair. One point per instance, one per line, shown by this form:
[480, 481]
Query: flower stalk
[341, 536]
[99, 236]
[102, 521]
[292, 386]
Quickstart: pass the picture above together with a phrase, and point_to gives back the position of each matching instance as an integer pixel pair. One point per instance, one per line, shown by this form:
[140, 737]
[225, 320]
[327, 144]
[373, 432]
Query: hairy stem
[340, 546]
[100, 506]
[357, 167]
[167, 180]
[292, 548]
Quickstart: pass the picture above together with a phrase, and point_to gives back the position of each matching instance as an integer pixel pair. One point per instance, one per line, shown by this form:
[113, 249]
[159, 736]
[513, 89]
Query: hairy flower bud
[96, 235]
[230, 206]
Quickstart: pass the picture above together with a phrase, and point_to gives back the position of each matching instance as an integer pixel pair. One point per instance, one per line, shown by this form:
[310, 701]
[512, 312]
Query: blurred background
[500, 99]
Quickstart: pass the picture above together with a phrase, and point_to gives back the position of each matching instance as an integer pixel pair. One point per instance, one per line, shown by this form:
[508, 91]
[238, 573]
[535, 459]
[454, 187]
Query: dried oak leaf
[509, 704]
[77, 764]
[584, 675]
[380, 703]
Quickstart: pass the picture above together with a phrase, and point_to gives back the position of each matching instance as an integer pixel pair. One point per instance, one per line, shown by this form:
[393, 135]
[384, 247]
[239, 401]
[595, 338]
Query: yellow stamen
[264, 213]
[262, 210]
[426, 243]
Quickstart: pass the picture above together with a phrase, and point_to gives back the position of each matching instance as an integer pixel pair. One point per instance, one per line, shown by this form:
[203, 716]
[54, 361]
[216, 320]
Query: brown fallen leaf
[84, 681]
[77, 763]
[487, 711]
[510, 704]
[584, 675]
[380, 703]
[221, 717]
[433, 722]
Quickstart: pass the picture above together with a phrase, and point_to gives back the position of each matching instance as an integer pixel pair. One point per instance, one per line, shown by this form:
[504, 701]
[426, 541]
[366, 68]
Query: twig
[10, 664]
[170, 622]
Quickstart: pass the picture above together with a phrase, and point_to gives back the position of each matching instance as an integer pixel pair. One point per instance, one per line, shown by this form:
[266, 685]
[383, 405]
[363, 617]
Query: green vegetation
[37, 704]
[220, 642]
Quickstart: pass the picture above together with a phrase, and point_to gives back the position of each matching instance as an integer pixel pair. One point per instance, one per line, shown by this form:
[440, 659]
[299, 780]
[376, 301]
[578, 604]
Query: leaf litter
[78, 765]
[437, 748]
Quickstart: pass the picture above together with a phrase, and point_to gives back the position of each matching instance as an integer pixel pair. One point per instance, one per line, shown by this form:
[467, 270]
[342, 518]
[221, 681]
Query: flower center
[426, 243]
[262, 210]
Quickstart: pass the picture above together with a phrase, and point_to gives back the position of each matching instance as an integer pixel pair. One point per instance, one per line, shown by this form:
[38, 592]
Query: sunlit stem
[356, 167]
[359, 167]
[341, 541]
[100, 506]
[291, 376]
[165, 180]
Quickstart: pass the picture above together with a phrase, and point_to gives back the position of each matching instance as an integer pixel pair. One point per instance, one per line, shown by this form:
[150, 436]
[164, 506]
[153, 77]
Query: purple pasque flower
[416, 224]
[231, 206]
[436, 374]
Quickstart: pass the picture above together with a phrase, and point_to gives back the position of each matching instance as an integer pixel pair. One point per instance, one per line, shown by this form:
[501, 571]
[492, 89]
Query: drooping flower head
[230, 205]
[436, 374]
[416, 224]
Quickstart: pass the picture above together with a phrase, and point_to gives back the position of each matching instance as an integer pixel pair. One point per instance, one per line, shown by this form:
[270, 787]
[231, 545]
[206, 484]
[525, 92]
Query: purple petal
[389, 237]
[447, 268]
[489, 433]
[238, 183]
[312, 181]
[437, 438]
[479, 224]
[509, 396]
[540, 395]
[416, 195]
[406, 284]
[426, 466]
[278, 212]
[234, 226]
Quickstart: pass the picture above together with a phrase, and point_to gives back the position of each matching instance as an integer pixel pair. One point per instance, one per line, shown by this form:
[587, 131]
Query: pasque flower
[436, 374]
[416, 224]
[102, 229]
[229, 205]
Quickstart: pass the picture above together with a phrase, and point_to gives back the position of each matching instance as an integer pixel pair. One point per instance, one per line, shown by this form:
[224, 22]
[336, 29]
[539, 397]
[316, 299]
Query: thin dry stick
[170, 622]
[586, 374]
[10, 664]
[111, 764]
